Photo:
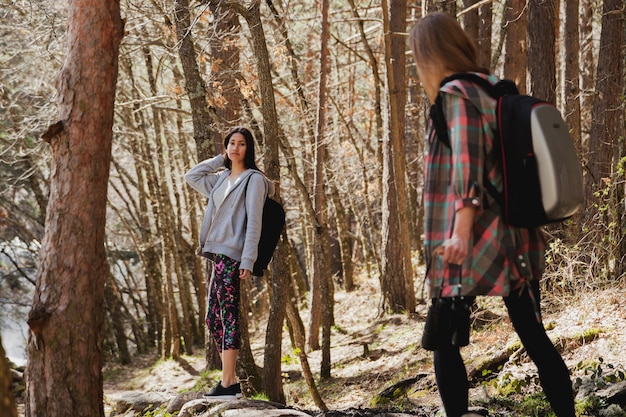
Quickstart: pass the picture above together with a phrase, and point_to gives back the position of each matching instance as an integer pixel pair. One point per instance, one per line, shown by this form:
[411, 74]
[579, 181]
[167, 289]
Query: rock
[139, 402]
[242, 407]
[612, 410]
[246, 412]
[614, 393]
[192, 408]
[181, 400]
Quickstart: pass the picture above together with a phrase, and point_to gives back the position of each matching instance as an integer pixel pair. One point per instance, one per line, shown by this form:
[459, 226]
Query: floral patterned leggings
[222, 316]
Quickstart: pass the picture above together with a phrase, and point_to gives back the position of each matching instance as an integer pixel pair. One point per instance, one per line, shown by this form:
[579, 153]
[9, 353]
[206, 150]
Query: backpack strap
[496, 91]
[500, 89]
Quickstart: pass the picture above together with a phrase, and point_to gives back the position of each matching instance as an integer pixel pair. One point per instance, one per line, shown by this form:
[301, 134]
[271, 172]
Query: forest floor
[589, 328]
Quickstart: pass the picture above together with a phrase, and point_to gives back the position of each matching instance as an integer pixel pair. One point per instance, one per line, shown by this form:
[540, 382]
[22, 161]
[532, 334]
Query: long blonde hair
[438, 40]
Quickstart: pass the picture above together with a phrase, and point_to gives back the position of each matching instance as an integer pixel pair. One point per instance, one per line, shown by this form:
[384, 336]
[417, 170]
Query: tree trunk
[280, 268]
[571, 91]
[485, 25]
[297, 330]
[223, 43]
[321, 240]
[343, 231]
[446, 6]
[587, 68]
[194, 84]
[604, 146]
[113, 303]
[7, 399]
[397, 277]
[541, 49]
[571, 76]
[246, 367]
[64, 372]
[515, 46]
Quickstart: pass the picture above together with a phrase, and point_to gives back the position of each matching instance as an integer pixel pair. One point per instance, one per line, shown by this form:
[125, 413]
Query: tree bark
[113, 307]
[280, 268]
[224, 50]
[515, 46]
[297, 329]
[7, 399]
[64, 372]
[343, 231]
[541, 49]
[446, 6]
[194, 84]
[571, 44]
[606, 129]
[321, 269]
[397, 277]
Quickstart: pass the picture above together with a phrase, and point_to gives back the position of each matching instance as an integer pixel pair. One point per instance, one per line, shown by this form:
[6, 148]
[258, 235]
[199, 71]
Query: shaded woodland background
[329, 89]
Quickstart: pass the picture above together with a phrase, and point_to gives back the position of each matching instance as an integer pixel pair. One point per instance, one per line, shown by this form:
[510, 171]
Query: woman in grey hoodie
[229, 236]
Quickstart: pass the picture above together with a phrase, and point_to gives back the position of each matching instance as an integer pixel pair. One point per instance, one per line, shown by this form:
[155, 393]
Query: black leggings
[452, 377]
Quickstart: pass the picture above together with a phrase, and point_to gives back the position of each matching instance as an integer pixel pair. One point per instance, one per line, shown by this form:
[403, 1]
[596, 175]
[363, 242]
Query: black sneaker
[232, 392]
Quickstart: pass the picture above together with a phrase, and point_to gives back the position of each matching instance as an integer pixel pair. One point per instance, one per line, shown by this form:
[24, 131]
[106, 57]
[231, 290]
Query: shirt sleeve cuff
[467, 202]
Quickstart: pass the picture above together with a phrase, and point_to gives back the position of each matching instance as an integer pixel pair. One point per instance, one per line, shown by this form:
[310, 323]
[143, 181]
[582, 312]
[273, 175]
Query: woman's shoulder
[470, 90]
[260, 180]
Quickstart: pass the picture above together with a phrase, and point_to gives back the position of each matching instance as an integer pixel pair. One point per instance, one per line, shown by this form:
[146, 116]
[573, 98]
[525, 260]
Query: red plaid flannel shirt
[502, 257]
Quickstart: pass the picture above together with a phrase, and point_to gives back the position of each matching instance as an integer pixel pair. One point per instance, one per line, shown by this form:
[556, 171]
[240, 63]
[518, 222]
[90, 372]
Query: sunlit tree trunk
[135, 119]
[343, 230]
[606, 127]
[587, 71]
[194, 84]
[224, 40]
[397, 275]
[372, 242]
[296, 327]
[272, 134]
[195, 88]
[321, 268]
[64, 371]
[571, 97]
[149, 154]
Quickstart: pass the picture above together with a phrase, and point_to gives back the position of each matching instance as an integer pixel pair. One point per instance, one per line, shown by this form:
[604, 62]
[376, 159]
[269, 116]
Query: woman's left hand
[245, 274]
[455, 250]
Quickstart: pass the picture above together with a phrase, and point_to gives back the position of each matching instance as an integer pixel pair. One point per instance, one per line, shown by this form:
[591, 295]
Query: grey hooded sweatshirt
[235, 228]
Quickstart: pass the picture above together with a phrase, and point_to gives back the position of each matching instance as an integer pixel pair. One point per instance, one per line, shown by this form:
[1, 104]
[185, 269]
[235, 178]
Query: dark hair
[249, 160]
[439, 39]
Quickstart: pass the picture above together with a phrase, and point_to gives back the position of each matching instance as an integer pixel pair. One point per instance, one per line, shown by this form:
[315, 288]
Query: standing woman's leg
[213, 316]
[450, 371]
[553, 372]
[452, 381]
[228, 295]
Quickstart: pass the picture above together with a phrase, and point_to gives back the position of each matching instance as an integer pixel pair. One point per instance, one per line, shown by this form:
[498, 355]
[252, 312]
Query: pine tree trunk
[606, 130]
[343, 230]
[7, 399]
[194, 84]
[64, 371]
[541, 49]
[272, 138]
[515, 44]
[397, 277]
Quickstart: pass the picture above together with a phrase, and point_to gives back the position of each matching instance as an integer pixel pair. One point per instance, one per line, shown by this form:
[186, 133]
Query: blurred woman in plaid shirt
[469, 248]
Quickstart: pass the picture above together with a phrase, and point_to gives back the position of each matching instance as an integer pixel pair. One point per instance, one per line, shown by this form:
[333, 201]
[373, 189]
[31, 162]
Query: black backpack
[541, 172]
[271, 228]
